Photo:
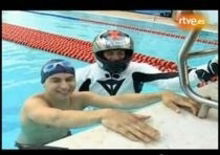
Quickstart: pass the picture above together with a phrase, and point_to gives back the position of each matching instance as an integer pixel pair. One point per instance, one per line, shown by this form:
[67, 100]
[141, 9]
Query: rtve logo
[188, 21]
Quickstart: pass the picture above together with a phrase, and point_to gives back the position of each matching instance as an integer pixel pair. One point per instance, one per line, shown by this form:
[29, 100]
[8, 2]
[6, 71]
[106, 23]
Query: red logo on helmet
[114, 34]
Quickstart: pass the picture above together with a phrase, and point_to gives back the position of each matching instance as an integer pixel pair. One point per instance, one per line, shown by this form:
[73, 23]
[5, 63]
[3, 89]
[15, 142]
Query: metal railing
[185, 54]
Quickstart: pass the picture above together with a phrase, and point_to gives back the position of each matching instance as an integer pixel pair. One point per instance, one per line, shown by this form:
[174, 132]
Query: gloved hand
[213, 68]
[206, 75]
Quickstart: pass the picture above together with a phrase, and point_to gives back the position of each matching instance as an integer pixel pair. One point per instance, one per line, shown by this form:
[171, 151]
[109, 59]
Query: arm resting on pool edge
[118, 121]
[129, 101]
[39, 113]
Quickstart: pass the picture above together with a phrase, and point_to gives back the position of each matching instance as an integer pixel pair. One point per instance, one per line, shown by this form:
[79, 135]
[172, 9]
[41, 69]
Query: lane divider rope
[70, 47]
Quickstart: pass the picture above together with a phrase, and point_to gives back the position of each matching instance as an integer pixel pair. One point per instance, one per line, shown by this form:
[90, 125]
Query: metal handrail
[184, 54]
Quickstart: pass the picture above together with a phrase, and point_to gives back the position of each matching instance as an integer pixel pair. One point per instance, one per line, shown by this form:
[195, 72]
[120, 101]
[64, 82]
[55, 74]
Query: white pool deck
[178, 131]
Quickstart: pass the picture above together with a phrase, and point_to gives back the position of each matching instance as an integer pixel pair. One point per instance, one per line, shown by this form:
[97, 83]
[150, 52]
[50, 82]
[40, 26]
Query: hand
[131, 126]
[205, 75]
[174, 101]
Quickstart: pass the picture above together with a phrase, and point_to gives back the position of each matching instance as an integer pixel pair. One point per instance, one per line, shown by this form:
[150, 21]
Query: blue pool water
[21, 65]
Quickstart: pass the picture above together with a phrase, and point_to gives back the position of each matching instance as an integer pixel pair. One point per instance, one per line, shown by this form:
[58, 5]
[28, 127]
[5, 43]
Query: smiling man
[48, 116]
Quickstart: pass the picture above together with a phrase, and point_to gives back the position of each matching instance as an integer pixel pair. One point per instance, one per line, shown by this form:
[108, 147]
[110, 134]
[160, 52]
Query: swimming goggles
[52, 66]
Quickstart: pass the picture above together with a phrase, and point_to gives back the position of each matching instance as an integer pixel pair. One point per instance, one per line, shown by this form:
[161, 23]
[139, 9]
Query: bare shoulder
[35, 101]
[31, 105]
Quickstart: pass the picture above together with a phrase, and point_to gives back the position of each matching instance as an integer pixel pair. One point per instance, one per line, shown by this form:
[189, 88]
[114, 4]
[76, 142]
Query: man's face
[60, 85]
[114, 55]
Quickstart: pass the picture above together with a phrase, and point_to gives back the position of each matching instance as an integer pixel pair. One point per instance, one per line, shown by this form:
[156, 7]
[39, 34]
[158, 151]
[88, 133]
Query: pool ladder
[185, 54]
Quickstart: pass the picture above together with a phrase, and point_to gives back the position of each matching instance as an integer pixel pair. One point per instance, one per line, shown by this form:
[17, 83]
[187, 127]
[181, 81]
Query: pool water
[21, 65]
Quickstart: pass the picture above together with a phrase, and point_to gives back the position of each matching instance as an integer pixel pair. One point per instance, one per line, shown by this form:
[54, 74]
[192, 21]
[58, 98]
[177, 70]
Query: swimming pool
[21, 65]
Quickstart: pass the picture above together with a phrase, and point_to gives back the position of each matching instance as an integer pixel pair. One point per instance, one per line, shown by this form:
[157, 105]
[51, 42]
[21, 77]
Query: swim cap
[113, 40]
[55, 66]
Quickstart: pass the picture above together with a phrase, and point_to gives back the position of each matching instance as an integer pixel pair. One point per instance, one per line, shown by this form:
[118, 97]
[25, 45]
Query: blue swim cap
[55, 66]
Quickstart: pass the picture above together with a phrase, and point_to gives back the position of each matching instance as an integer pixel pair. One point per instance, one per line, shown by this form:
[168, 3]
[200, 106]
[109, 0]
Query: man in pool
[48, 116]
[114, 73]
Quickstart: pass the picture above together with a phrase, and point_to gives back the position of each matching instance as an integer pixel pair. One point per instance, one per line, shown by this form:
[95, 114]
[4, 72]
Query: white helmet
[113, 40]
